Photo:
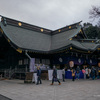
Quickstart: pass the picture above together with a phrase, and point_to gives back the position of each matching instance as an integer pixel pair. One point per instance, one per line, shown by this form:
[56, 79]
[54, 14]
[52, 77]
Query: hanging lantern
[71, 64]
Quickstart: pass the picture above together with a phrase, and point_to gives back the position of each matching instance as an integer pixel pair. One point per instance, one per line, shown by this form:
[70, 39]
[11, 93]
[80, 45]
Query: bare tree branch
[95, 12]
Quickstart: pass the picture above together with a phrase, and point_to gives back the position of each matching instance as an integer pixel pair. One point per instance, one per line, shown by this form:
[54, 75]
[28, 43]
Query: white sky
[50, 14]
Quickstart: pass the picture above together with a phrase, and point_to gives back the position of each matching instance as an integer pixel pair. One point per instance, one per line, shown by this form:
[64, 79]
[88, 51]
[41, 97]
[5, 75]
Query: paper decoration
[32, 64]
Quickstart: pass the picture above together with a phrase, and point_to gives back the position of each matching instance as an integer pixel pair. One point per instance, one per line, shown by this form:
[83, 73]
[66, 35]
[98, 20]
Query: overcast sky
[51, 14]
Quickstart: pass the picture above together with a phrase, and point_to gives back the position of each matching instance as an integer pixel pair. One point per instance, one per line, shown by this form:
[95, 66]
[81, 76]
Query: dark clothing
[54, 73]
[63, 76]
[93, 73]
[55, 76]
[73, 79]
[39, 76]
[87, 76]
[77, 70]
[98, 75]
[55, 79]
[39, 80]
[98, 72]
[38, 72]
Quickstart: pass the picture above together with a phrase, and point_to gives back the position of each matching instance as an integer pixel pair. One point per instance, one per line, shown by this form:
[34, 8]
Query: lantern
[99, 64]
[71, 64]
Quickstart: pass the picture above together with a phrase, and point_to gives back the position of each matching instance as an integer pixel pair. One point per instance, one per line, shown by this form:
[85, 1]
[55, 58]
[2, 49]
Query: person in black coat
[54, 74]
[93, 73]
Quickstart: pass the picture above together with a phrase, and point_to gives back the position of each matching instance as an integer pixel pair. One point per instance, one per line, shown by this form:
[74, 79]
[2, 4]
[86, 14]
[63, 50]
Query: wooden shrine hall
[20, 41]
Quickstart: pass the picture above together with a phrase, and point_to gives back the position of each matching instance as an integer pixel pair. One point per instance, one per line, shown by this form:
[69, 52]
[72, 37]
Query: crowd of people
[93, 72]
[88, 72]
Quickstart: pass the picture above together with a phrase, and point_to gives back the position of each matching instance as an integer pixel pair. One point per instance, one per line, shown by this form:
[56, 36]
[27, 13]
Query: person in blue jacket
[38, 75]
[77, 72]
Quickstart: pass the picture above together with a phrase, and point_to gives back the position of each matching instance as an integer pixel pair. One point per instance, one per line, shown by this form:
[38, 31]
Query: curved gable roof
[28, 37]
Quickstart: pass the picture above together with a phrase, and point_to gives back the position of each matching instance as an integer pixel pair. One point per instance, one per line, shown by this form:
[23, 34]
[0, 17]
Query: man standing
[55, 76]
[63, 74]
[38, 75]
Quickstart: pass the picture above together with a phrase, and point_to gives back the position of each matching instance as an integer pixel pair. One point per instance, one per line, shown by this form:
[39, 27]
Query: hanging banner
[60, 60]
[77, 60]
[67, 59]
[92, 61]
[80, 61]
[32, 64]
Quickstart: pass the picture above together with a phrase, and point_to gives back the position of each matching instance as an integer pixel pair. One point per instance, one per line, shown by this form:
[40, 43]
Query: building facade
[20, 41]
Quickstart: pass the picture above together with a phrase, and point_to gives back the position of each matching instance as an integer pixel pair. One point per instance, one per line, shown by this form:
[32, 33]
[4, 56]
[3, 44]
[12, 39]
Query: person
[87, 73]
[93, 73]
[38, 75]
[73, 75]
[54, 78]
[77, 72]
[63, 74]
[98, 71]
[84, 72]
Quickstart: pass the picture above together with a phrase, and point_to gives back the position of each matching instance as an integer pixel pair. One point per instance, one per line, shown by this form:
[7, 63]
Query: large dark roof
[29, 37]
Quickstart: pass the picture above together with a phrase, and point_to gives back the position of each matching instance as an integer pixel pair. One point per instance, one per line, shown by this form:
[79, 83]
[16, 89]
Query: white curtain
[32, 64]
[59, 74]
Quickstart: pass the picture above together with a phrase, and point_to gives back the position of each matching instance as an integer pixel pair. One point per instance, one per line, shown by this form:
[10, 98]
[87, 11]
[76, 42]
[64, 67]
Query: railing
[9, 72]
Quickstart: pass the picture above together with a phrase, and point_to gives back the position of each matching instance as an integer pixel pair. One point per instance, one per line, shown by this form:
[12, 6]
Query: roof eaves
[66, 28]
[26, 26]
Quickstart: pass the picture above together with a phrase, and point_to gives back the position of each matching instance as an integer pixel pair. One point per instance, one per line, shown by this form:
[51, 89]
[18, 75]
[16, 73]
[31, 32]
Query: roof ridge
[38, 28]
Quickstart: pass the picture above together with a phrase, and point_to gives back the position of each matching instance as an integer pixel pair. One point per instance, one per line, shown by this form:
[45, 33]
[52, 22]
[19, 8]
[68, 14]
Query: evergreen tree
[91, 31]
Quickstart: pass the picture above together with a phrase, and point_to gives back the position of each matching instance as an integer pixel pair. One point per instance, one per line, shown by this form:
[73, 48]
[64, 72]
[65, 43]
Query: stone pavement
[78, 90]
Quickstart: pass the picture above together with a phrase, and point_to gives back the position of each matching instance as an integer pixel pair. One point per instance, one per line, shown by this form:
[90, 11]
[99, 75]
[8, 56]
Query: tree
[91, 31]
[95, 13]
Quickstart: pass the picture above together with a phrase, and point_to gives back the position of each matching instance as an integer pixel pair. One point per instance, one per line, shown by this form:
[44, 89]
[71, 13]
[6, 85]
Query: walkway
[78, 90]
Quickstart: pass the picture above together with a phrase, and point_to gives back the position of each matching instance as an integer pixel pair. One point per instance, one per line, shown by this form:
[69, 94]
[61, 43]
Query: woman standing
[73, 75]
[84, 72]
